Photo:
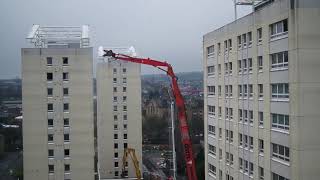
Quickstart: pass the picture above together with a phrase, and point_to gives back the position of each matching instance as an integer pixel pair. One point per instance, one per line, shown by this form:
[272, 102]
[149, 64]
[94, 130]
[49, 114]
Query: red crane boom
[184, 128]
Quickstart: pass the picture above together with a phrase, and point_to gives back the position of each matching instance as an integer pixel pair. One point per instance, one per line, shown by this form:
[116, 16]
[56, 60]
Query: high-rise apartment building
[261, 76]
[57, 94]
[119, 121]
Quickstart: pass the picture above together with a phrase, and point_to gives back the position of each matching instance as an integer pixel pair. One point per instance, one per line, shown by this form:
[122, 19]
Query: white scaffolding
[52, 36]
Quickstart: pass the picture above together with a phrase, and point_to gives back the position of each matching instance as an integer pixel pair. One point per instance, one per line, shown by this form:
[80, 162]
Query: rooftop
[57, 36]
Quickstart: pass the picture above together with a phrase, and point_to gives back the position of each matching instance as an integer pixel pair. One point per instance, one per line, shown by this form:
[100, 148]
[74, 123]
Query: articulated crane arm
[130, 152]
[184, 129]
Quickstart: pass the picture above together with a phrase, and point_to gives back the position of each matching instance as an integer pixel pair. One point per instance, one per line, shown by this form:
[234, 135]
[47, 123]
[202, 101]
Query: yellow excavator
[130, 152]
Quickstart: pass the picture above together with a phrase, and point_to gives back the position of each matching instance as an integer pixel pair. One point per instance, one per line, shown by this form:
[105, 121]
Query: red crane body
[184, 128]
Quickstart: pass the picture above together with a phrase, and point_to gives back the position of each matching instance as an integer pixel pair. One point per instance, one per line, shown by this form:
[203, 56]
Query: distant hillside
[183, 76]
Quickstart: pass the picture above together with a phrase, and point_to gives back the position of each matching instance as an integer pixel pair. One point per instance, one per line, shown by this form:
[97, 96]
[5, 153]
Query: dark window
[65, 107]
[124, 89]
[50, 153]
[66, 122]
[50, 107]
[67, 153]
[116, 145]
[116, 155]
[125, 145]
[124, 70]
[65, 76]
[66, 138]
[50, 137]
[125, 126]
[114, 89]
[67, 167]
[65, 60]
[49, 76]
[125, 136]
[50, 91]
[65, 91]
[49, 61]
[115, 117]
[125, 117]
[50, 122]
[116, 173]
[115, 136]
[116, 164]
[51, 168]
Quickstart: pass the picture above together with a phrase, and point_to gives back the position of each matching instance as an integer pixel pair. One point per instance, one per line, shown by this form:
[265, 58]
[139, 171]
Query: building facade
[57, 102]
[262, 94]
[119, 121]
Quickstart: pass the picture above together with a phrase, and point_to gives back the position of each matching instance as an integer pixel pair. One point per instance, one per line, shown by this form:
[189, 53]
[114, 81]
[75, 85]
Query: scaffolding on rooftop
[56, 36]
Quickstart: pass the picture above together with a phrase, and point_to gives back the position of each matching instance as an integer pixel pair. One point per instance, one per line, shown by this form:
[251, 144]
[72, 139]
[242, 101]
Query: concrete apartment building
[57, 92]
[261, 82]
[119, 121]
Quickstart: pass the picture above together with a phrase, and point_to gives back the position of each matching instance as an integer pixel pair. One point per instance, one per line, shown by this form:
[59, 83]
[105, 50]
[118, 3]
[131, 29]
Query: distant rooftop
[59, 36]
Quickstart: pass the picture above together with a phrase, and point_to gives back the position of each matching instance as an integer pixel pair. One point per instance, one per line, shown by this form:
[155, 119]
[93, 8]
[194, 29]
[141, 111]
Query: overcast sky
[168, 30]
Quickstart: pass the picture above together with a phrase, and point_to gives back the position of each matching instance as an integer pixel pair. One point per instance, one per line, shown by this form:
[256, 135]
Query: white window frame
[212, 149]
[278, 29]
[279, 61]
[280, 122]
[210, 51]
[210, 70]
[211, 110]
[260, 63]
[276, 148]
[212, 130]
[280, 93]
[211, 90]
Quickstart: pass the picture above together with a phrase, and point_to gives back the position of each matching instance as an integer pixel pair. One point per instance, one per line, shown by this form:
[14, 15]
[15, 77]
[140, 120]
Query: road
[150, 160]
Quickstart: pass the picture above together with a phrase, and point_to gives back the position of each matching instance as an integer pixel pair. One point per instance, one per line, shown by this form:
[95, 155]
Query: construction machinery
[182, 117]
[130, 152]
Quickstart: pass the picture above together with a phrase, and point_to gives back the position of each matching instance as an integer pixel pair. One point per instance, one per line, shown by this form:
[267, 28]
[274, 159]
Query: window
[212, 169]
[114, 89]
[251, 169]
[240, 90]
[66, 122]
[230, 44]
[244, 65]
[116, 173]
[260, 91]
[250, 38]
[210, 51]
[241, 164]
[210, 70]
[124, 89]
[280, 152]
[66, 107]
[212, 130]
[50, 122]
[226, 46]
[212, 150]
[124, 108]
[49, 92]
[260, 63]
[219, 112]
[240, 115]
[211, 110]
[115, 98]
[246, 167]
[239, 42]
[115, 117]
[280, 91]
[125, 136]
[220, 133]
[259, 35]
[49, 61]
[226, 69]
[66, 138]
[239, 66]
[244, 40]
[49, 76]
[67, 167]
[245, 141]
[211, 90]
[124, 70]
[245, 114]
[227, 135]
[51, 168]
[230, 68]
[219, 69]
[125, 126]
[278, 177]
[279, 60]
[114, 80]
[250, 64]
[115, 145]
[125, 145]
[124, 98]
[65, 61]
[280, 121]
[50, 153]
[261, 146]
[115, 108]
[124, 80]
[261, 173]
[65, 91]
[219, 91]
[219, 48]
[250, 90]
[227, 158]
[116, 155]
[251, 117]
[279, 28]
[50, 138]
[240, 139]
[50, 107]
[114, 71]
[115, 136]
[251, 142]
[220, 174]
[65, 76]
[115, 127]
[67, 153]
[125, 117]
[260, 117]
